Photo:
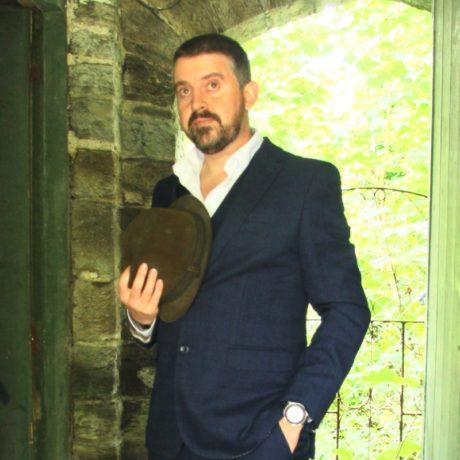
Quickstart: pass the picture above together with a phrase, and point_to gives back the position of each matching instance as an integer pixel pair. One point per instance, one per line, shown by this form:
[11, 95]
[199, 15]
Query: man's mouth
[202, 120]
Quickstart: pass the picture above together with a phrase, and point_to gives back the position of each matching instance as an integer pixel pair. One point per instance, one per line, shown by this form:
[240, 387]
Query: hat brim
[181, 267]
[179, 300]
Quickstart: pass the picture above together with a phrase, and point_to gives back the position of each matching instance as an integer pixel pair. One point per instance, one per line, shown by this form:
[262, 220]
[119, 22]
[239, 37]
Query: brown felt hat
[177, 242]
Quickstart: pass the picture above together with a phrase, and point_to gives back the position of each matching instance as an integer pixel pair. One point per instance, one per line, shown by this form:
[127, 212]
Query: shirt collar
[190, 164]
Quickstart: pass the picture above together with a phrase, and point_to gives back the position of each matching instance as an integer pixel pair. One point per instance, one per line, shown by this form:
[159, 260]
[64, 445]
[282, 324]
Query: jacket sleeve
[332, 283]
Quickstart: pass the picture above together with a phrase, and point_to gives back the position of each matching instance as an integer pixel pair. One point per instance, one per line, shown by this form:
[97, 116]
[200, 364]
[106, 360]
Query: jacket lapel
[244, 195]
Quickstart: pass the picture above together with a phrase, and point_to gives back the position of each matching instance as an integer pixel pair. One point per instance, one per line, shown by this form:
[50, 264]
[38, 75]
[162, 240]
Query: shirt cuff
[138, 330]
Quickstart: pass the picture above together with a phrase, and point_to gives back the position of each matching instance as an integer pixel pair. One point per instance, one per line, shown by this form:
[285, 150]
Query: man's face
[210, 101]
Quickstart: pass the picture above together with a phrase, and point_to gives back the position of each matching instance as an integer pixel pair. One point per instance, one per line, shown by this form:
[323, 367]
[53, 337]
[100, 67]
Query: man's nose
[198, 100]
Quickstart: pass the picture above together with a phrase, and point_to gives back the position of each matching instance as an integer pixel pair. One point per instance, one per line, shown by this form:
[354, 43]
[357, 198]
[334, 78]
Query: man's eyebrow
[179, 83]
[206, 77]
[213, 74]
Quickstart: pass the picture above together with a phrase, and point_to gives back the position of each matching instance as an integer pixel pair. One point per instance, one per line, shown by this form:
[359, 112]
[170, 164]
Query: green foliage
[406, 449]
[344, 454]
[352, 85]
[389, 376]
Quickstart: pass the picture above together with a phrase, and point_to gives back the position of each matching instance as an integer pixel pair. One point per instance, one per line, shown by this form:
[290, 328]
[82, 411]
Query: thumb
[123, 281]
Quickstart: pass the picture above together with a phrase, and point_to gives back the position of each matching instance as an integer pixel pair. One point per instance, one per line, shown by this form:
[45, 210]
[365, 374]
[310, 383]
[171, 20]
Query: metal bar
[337, 427]
[339, 413]
[401, 419]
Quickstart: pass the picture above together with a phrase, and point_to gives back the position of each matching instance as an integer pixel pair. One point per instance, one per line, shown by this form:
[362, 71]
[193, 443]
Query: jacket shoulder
[297, 164]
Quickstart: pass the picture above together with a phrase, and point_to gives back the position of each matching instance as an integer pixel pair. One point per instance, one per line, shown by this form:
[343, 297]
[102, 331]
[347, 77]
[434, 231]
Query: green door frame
[50, 223]
[442, 389]
[49, 268]
[15, 286]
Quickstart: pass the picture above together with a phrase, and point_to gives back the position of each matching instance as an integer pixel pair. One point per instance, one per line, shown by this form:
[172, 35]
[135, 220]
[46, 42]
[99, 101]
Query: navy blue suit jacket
[281, 242]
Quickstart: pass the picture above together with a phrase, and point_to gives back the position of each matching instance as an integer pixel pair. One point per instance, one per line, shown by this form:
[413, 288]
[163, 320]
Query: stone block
[93, 371]
[93, 174]
[138, 178]
[92, 118]
[137, 371]
[190, 17]
[276, 14]
[95, 424]
[147, 81]
[94, 13]
[93, 450]
[281, 3]
[134, 418]
[91, 80]
[134, 450]
[228, 14]
[147, 131]
[92, 241]
[94, 311]
[157, 37]
[133, 423]
[85, 42]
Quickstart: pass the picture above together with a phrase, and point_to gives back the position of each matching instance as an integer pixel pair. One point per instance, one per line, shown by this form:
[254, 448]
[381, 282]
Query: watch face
[295, 414]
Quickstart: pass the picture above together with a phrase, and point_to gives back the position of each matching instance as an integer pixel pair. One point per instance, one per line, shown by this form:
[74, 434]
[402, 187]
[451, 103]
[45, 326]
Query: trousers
[275, 447]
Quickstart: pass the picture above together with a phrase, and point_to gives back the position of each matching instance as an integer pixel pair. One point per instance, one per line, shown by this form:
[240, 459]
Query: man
[234, 376]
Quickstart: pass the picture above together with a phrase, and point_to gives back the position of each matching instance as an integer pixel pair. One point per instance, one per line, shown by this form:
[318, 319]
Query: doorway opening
[352, 85]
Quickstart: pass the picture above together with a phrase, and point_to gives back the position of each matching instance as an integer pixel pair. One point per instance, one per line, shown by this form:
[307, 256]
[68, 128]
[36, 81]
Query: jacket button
[184, 349]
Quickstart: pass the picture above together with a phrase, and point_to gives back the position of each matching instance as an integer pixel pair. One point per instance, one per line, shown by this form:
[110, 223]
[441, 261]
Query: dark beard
[225, 134]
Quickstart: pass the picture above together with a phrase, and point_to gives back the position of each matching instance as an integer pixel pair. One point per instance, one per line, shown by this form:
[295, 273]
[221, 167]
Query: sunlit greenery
[352, 85]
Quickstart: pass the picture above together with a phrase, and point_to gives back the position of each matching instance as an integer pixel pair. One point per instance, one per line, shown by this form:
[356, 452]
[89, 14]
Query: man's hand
[142, 304]
[291, 433]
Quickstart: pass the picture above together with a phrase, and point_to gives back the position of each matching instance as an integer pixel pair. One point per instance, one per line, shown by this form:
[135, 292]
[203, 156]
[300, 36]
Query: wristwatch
[295, 413]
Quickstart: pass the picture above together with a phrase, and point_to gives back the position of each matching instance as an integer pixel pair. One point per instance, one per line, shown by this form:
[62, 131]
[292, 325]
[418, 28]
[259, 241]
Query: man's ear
[250, 94]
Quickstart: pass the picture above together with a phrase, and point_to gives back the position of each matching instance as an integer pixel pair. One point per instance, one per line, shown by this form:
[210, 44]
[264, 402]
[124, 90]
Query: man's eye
[183, 92]
[213, 85]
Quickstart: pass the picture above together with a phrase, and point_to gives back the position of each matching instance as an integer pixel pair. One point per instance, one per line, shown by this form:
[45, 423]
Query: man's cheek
[183, 120]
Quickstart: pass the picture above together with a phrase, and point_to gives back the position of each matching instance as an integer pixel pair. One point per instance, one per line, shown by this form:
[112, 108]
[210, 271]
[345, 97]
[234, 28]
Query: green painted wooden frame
[50, 226]
[442, 391]
[15, 251]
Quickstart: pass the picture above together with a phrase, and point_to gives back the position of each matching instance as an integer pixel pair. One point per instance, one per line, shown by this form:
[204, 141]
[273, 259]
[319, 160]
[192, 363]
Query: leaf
[409, 448]
[405, 449]
[389, 175]
[390, 376]
[344, 454]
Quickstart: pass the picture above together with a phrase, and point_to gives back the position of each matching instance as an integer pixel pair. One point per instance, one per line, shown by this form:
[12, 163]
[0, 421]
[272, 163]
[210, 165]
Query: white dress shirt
[188, 169]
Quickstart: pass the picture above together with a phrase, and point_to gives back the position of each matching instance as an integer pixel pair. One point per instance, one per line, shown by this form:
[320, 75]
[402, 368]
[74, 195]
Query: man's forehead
[201, 66]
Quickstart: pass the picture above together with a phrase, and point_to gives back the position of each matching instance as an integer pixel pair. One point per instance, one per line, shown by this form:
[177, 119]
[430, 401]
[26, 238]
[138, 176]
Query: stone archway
[152, 30]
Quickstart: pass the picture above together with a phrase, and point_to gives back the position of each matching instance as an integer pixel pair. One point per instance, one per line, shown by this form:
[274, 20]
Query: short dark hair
[218, 43]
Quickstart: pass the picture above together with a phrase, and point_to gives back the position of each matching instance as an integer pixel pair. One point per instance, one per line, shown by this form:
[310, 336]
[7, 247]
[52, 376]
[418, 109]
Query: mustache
[203, 114]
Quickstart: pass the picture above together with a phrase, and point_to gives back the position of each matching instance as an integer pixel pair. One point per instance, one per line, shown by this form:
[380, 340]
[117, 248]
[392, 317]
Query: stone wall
[121, 142]
[94, 146]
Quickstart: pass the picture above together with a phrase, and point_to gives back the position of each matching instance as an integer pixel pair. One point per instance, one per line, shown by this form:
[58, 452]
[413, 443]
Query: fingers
[123, 290]
[152, 291]
[143, 298]
[155, 300]
[150, 284]
[139, 280]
